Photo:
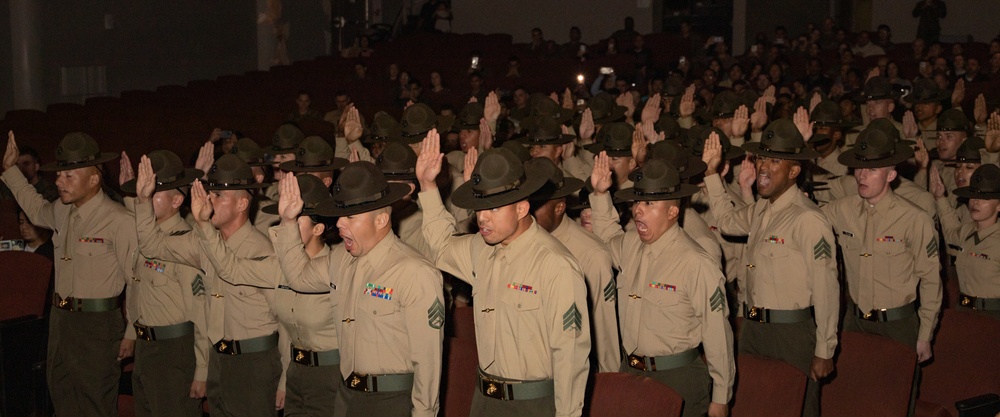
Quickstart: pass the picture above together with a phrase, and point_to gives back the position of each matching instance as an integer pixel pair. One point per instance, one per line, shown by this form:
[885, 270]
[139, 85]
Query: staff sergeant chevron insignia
[718, 300]
[572, 319]
[932, 247]
[611, 291]
[435, 315]
[822, 249]
[198, 286]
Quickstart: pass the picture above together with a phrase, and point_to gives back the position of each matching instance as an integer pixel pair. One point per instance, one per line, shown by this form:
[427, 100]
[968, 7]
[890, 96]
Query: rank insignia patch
[822, 249]
[932, 247]
[572, 319]
[718, 300]
[435, 315]
[610, 291]
[378, 291]
[198, 286]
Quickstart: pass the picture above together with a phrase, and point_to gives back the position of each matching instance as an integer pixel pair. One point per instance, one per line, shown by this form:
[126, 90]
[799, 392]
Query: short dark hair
[27, 150]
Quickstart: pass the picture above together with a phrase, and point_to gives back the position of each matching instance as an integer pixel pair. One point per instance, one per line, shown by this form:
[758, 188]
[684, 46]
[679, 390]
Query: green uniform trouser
[483, 406]
[244, 385]
[161, 381]
[311, 390]
[351, 403]
[691, 381]
[83, 370]
[793, 343]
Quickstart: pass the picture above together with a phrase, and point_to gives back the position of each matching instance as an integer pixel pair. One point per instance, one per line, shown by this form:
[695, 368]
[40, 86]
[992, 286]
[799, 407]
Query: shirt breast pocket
[778, 258]
[378, 308]
[521, 301]
[93, 251]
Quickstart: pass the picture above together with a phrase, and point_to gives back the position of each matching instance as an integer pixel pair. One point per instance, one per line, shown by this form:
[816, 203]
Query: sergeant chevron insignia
[718, 300]
[822, 249]
[572, 320]
[932, 247]
[179, 232]
[611, 291]
[435, 315]
[197, 286]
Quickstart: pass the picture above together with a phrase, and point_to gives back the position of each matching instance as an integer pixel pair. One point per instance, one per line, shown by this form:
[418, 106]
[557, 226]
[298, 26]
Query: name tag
[848, 234]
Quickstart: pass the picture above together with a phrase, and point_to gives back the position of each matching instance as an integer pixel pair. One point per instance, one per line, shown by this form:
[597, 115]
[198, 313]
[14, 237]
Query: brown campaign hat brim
[692, 167]
[804, 154]
[62, 166]
[229, 186]
[967, 192]
[597, 148]
[564, 116]
[560, 140]
[570, 186]
[617, 113]
[901, 153]
[394, 192]
[292, 166]
[630, 194]
[464, 196]
[190, 174]
[937, 98]
[306, 211]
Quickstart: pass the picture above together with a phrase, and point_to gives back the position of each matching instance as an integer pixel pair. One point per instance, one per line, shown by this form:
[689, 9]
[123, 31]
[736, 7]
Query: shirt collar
[380, 252]
[241, 234]
[171, 223]
[563, 229]
[785, 200]
[883, 206]
[521, 243]
[93, 205]
[665, 241]
[985, 233]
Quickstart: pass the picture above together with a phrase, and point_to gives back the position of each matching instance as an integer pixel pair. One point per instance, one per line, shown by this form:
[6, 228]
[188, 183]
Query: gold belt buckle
[967, 302]
[637, 362]
[492, 389]
[144, 332]
[357, 381]
[302, 358]
[757, 314]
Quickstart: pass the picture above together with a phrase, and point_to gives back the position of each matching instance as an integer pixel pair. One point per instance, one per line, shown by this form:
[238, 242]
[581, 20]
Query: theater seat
[767, 387]
[618, 394]
[965, 362]
[460, 381]
[873, 377]
[25, 282]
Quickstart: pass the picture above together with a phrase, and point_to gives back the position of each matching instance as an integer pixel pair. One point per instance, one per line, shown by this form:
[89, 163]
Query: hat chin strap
[667, 190]
[245, 181]
[876, 157]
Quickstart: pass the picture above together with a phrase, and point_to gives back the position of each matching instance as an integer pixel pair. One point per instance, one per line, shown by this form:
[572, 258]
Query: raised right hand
[289, 198]
[937, 184]
[712, 155]
[600, 177]
[11, 154]
[145, 183]
[429, 161]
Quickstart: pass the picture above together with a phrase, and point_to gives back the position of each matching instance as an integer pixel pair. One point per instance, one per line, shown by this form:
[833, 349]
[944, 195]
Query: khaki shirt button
[375, 312]
[518, 305]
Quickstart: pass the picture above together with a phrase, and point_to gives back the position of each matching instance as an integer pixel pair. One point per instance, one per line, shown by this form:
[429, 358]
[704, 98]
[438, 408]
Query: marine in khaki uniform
[789, 289]
[94, 258]
[311, 356]
[953, 129]
[313, 156]
[616, 140]
[877, 100]
[283, 148]
[245, 366]
[890, 249]
[827, 137]
[166, 307]
[387, 296]
[353, 131]
[398, 164]
[672, 292]
[547, 139]
[927, 100]
[978, 242]
[530, 293]
[549, 210]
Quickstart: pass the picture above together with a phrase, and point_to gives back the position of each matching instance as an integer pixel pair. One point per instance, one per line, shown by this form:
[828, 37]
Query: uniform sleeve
[156, 244]
[452, 254]
[708, 299]
[819, 251]
[130, 306]
[927, 268]
[264, 221]
[951, 226]
[126, 247]
[569, 336]
[729, 219]
[261, 272]
[302, 273]
[39, 211]
[603, 300]
[363, 153]
[423, 309]
[606, 226]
